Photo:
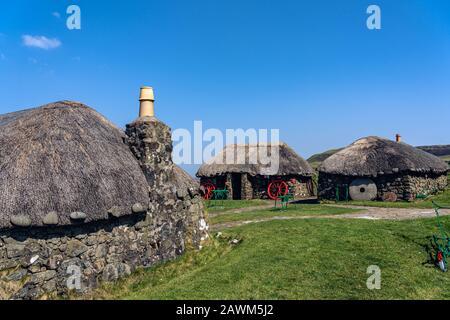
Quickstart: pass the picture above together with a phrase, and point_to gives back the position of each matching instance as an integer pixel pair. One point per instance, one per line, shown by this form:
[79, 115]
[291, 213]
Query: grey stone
[49, 286]
[8, 264]
[101, 251]
[81, 236]
[110, 273]
[9, 240]
[75, 248]
[17, 275]
[138, 208]
[78, 216]
[20, 221]
[41, 277]
[15, 250]
[114, 211]
[54, 261]
[123, 270]
[182, 193]
[51, 219]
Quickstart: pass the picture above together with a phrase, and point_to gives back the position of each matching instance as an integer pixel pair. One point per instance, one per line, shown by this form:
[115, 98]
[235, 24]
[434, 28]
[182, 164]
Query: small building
[250, 179]
[374, 168]
[83, 201]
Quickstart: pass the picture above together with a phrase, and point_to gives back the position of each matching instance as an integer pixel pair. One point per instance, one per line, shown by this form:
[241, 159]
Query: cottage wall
[247, 187]
[302, 185]
[404, 186]
[255, 187]
[40, 261]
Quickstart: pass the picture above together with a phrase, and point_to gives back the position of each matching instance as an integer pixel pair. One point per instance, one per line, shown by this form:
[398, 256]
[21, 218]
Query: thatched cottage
[250, 180]
[81, 201]
[376, 168]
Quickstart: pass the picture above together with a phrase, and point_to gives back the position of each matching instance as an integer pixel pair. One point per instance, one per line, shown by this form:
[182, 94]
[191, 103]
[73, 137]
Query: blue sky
[310, 68]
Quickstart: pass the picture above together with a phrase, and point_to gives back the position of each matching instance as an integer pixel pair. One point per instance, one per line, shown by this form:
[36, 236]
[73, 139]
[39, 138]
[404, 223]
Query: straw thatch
[63, 162]
[290, 163]
[373, 156]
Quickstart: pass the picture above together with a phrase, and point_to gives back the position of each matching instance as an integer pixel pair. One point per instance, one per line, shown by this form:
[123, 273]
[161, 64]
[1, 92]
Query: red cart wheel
[208, 190]
[276, 189]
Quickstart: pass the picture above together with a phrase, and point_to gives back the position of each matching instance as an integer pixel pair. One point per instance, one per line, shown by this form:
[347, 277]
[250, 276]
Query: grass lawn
[227, 205]
[293, 210]
[299, 259]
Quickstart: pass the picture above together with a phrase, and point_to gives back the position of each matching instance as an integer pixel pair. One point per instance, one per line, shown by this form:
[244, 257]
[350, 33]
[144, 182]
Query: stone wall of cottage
[40, 262]
[255, 187]
[406, 187]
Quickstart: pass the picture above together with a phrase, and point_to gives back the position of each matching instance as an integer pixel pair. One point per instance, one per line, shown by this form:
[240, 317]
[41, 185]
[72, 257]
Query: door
[236, 185]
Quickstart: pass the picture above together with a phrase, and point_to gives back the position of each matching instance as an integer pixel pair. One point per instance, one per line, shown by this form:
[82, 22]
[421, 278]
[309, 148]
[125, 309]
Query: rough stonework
[406, 187]
[398, 170]
[54, 255]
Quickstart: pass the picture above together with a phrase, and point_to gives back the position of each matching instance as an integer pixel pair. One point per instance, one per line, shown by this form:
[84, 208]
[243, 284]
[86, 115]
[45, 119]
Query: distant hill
[442, 151]
[318, 158]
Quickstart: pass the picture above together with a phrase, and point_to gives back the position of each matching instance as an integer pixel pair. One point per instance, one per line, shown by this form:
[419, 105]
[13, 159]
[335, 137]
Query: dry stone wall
[404, 186]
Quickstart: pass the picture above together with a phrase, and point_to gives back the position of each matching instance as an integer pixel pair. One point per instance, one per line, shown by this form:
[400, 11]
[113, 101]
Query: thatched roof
[64, 162]
[373, 156]
[290, 163]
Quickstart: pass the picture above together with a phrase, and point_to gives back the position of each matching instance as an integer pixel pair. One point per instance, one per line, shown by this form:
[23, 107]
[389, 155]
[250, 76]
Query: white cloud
[56, 14]
[40, 42]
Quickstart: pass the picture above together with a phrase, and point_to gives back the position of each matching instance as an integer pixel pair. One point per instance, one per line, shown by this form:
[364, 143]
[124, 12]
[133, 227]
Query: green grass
[293, 210]
[299, 259]
[227, 205]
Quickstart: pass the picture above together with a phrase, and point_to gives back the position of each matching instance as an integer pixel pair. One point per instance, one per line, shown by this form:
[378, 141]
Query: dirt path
[369, 213]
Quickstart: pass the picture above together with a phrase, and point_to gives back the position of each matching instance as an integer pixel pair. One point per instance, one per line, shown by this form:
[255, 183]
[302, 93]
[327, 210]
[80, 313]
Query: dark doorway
[236, 185]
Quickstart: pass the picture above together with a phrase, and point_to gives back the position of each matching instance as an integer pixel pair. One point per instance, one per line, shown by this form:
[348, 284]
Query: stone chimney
[398, 137]
[150, 140]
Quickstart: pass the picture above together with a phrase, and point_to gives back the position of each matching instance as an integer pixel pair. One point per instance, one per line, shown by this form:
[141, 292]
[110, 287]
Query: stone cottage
[374, 168]
[81, 201]
[248, 179]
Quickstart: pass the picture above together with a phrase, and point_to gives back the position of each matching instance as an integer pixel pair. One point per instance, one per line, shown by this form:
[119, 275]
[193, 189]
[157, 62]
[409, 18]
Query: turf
[299, 259]
[227, 205]
[293, 210]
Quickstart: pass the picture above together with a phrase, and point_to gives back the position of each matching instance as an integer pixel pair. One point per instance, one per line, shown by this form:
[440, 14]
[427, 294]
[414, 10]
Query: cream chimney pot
[147, 102]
